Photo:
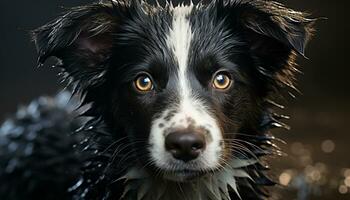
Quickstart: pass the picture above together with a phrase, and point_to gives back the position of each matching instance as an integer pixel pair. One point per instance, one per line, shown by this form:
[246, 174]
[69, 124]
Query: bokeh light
[346, 172]
[343, 189]
[347, 181]
[285, 178]
[328, 146]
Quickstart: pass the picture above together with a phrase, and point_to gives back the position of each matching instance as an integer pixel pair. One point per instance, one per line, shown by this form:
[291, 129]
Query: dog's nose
[185, 146]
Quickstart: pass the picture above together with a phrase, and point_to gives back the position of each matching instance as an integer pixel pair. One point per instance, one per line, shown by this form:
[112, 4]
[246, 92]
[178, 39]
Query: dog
[164, 102]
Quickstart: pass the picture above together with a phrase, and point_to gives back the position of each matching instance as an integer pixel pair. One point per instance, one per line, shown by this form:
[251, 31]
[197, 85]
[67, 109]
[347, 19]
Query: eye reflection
[143, 83]
[222, 81]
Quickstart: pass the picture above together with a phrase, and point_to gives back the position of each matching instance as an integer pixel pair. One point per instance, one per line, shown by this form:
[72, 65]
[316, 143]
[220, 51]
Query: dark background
[319, 115]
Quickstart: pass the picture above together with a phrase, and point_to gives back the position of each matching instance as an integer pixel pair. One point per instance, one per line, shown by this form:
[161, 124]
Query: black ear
[82, 40]
[274, 33]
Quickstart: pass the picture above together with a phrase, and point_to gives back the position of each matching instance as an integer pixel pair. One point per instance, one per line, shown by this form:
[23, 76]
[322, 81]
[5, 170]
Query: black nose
[185, 146]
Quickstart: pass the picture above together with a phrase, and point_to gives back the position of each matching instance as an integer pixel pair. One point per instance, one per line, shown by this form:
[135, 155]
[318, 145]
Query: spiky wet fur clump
[102, 47]
[36, 150]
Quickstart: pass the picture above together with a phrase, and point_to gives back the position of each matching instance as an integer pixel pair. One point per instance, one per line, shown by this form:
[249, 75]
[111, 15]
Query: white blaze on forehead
[179, 41]
[189, 105]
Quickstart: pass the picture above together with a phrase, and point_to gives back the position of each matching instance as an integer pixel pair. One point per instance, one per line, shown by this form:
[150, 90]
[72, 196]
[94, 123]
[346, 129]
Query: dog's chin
[183, 175]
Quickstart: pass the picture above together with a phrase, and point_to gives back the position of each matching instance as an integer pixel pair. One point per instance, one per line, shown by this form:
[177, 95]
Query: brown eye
[143, 83]
[222, 81]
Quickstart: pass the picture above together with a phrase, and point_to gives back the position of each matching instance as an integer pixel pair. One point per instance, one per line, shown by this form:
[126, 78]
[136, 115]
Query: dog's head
[179, 81]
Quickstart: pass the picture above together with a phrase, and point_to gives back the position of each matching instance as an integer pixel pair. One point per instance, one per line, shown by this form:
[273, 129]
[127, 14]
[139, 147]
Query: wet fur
[100, 48]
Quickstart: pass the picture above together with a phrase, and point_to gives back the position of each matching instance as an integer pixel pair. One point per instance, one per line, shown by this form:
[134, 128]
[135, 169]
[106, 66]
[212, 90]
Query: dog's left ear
[82, 39]
[274, 33]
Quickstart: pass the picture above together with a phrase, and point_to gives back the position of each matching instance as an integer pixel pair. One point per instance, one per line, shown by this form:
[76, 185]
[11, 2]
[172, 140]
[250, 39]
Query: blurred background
[318, 145]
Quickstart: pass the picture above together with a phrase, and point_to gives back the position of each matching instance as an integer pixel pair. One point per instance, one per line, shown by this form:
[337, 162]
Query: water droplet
[76, 185]
[84, 193]
[102, 177]
[84, 141]
[86, 147]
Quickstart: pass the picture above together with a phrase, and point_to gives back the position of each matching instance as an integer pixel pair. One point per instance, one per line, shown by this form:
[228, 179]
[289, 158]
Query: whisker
[114, 143]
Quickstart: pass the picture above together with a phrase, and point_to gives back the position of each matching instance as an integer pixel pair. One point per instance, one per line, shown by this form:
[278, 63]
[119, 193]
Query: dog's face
[180, 81]
[183, 88]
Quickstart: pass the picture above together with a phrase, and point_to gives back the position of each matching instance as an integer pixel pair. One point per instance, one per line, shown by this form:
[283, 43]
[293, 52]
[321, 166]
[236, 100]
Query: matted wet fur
[118, 147]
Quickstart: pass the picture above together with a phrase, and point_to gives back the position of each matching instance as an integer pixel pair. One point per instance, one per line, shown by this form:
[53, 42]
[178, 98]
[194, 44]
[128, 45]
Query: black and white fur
[120, 146]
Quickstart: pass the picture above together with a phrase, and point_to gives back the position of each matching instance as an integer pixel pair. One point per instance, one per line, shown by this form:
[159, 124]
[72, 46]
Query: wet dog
[175, 99]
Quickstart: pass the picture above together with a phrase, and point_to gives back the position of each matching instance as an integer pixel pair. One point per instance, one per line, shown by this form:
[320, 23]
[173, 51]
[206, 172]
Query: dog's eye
[222, 81]
[143, 83]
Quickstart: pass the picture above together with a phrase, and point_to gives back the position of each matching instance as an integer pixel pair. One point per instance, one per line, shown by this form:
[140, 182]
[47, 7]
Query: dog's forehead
[176, 37]
[187, 30]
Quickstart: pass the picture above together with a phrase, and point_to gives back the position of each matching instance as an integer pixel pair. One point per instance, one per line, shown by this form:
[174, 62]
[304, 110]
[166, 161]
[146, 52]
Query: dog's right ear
[82, 39]
[275, 35]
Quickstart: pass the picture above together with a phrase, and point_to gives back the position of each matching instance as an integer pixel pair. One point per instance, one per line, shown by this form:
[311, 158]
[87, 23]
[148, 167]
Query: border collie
[174, 102]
